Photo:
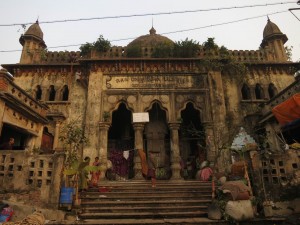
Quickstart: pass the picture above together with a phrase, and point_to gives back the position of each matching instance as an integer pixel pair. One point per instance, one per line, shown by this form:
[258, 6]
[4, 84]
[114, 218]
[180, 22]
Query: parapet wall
[120, 52]
[24, 172]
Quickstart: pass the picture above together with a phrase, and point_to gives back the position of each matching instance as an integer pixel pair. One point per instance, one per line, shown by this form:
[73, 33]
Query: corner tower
[33, 44]
[273, 42]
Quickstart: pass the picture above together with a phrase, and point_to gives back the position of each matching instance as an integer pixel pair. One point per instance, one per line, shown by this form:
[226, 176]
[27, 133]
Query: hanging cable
[149, 14]
[171, 32]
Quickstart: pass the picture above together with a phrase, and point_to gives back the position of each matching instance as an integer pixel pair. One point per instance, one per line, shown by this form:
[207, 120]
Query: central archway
[157, 140]
[192, 142]
[120, 145]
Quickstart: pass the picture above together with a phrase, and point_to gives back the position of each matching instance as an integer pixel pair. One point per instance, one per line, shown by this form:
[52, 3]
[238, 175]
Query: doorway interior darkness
[121, 139]
[192, 142]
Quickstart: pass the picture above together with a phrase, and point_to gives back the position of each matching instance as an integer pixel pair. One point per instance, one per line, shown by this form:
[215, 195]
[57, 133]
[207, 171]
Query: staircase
[136, 202]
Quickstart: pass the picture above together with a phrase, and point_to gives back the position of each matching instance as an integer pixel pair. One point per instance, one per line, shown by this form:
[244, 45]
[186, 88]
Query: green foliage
[186, 48]
[85, 49]
[76, 167]
[288, 51]
[223, 61]
[210, 45]
[224, 53]
[101, 45]
[163, 50]
[133, 52]
[72, 136]
[44, 54]
[106, 116]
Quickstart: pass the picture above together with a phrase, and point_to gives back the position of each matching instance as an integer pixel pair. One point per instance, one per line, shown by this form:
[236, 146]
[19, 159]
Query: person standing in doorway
[152, 168]
[8, 145]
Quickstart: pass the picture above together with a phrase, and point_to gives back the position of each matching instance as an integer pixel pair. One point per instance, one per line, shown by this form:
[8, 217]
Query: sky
[196, 20]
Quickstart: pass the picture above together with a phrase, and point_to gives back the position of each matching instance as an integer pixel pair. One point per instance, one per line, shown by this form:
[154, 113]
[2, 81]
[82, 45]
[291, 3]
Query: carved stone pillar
[175, 155]
[103, 140]
[210, 142]
[138, 144]
[56, 134]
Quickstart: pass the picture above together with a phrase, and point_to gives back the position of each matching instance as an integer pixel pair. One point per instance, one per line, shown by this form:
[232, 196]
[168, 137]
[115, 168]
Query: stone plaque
[161, 81]
[140, 117]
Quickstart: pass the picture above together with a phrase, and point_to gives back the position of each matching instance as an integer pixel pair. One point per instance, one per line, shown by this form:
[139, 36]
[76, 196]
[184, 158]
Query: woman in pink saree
[95, 174]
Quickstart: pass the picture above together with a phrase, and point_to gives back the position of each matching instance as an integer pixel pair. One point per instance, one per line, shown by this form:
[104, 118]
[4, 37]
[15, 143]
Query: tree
[72, 136]
[163, 50]
[101, 45]
[85, 49]
[133, 52]
[288, 51]
[186, 48]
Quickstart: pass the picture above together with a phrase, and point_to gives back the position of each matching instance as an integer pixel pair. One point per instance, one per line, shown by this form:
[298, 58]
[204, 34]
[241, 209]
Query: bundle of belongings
[236, 190]
[6, 212]
[37, 218]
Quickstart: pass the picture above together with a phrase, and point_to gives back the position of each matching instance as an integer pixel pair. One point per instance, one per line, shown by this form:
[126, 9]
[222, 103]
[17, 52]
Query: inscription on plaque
[154, 81]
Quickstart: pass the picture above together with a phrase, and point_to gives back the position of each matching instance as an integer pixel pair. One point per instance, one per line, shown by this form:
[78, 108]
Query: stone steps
[137, 203]
[138, 200]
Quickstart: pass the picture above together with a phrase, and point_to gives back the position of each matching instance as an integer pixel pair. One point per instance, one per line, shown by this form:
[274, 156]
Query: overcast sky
[244, 35]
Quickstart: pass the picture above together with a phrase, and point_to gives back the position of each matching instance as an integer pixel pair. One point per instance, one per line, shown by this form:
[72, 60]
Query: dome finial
[152, 30]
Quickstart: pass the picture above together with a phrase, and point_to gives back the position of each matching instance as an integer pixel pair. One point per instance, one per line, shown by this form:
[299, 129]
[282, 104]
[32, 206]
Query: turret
[273, 42]
[33, 44]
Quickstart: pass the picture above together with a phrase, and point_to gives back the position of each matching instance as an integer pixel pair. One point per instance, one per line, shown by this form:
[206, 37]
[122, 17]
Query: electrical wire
[149, 14]
[171, 32]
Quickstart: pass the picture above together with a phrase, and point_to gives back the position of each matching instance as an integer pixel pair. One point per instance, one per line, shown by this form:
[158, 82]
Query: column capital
[138, 126]
[174, 125]
[104, 125]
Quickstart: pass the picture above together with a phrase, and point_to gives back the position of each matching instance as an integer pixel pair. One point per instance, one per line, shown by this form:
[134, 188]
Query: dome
[272, 31]
[150, 40]
[35, 30]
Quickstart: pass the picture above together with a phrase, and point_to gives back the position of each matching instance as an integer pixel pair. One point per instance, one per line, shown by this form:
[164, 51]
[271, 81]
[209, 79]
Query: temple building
[185, 108]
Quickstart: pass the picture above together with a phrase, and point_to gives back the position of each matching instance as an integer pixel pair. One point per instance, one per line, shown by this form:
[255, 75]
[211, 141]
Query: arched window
[259, 92]
[38, 93]
[65, 93]
[52, 93]
[246, 94]
[272, 90]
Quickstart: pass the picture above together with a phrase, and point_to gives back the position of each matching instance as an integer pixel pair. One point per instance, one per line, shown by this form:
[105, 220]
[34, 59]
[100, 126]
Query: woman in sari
[95, 174]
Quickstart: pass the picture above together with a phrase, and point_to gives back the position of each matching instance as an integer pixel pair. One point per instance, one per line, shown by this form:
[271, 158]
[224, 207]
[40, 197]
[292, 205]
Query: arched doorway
[121, 144]
[157, 140]
[192, 142]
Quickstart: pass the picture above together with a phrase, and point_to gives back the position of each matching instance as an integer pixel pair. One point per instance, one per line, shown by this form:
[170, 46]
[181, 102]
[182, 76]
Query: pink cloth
[205, 174]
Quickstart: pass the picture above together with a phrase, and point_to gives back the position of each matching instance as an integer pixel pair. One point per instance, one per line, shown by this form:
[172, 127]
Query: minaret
[273, 42]
[33, 44]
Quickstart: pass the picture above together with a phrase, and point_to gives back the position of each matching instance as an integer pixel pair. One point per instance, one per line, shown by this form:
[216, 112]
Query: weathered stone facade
[103, 90]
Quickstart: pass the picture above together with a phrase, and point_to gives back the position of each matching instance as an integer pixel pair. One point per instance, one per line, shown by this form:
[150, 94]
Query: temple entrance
[192, 142]
[120, 145]
[157, 139]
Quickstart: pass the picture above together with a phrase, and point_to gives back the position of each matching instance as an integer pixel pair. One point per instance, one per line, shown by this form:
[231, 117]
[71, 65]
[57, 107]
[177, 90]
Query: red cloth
[288, 110]
[205, 174]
